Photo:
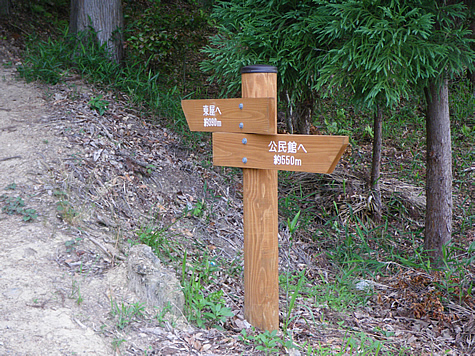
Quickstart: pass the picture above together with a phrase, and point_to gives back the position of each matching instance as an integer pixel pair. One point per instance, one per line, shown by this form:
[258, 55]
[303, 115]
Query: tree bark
[105, 17]
[471, 74]
[298, 116]
[5, 7]
[438, 222]
[376, 164]
[302, 119]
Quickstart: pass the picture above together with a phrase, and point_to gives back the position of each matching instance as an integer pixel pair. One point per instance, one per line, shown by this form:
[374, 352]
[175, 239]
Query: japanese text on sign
[211, 110]
[286, 147]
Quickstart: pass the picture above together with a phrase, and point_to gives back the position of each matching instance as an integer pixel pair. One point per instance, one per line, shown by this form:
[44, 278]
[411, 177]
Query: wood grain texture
[304, 153]
[257, 115]
[261, 280]
[261, 255]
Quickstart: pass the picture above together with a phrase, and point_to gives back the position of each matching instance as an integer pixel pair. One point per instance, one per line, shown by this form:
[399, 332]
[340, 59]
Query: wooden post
[245, 135]
[261, 264]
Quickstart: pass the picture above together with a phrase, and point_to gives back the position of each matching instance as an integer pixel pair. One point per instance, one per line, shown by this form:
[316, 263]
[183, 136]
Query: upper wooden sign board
[245, 115]
[304, 153]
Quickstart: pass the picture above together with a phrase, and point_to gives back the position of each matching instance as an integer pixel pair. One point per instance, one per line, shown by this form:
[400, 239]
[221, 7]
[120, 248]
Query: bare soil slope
[71, 193]
[38, 313]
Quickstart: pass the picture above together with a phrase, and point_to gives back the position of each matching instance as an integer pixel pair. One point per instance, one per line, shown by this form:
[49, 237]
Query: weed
[12, 205]
[29, 215]
[150, 168]
[52, 60]
[72, 244]
[197, 210]
[66, 211]
[292, 226]
[126, 314]
[268, 341]
[98, 104]
[116, 343]
[201, 307]
[162, 245]
[16, 205]
[161, 315]
[76, 292]
[11, 186]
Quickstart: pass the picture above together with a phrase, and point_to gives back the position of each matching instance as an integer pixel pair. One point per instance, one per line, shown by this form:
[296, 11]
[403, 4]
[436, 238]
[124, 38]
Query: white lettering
[292, 147]
[211, 110]
[211, 122]
[280, 160]
[282, 146]
[272, 146]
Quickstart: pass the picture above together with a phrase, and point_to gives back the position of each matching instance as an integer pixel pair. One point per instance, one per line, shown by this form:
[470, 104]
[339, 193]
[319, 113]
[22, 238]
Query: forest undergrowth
[349, 285]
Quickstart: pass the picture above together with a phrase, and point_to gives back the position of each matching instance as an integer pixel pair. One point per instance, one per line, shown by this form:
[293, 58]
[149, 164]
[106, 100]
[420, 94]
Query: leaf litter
[135, 173]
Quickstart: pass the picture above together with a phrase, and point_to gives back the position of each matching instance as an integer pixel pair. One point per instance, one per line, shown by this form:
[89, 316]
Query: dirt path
[38, 302]
[68, 201]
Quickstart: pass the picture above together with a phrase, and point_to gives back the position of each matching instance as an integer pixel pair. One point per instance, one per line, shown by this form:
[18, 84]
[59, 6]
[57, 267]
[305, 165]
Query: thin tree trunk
[376, 164]
[105, 17]
[5, 7]
[471, 74]
[302, 119]
[438, 223]
[298, 116]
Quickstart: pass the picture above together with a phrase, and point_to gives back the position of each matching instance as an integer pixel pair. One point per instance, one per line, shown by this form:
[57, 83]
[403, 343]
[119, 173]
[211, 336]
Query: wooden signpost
[245, 135]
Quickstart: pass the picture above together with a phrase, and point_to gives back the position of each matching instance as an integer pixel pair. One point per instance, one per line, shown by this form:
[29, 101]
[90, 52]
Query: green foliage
[11, 186]
[161, 33]
[98, 104]
[12, 205]
[125, 314]
[66, 211]
[197, 210]
[167, 249]
[378, 50]
[76, 292]
[116, 343]
[268, 341]
[383, 50]
[16, 205]
[203, 307]
[295, 294]
[161, 315]
[51, 61]
[72, 244]
[167, 37]
[265, 32]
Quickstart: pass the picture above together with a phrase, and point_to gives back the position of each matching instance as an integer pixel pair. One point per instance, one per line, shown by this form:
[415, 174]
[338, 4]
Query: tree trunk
[471, 74]
[376, 164]
[105, 17]
[5, 7]
[298, 116]
[438, 224]
[302, 119]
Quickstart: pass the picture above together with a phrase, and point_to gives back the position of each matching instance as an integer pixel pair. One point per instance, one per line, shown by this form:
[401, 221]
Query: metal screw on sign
[261, 159]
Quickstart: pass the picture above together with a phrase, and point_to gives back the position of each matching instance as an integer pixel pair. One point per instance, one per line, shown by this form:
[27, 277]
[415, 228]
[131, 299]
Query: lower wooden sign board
[304, 153]
[244, 115]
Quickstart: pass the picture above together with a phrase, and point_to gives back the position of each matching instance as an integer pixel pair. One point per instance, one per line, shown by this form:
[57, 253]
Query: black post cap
[259, 68]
